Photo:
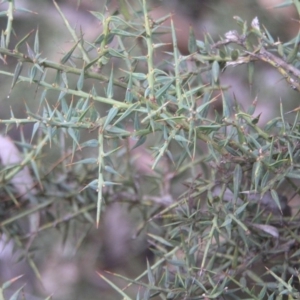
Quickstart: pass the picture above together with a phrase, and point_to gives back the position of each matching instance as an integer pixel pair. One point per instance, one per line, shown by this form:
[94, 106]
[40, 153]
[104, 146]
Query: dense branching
[121, 120]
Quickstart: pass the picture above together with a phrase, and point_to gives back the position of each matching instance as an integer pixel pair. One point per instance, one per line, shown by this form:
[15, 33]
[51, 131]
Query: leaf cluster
[211, 236]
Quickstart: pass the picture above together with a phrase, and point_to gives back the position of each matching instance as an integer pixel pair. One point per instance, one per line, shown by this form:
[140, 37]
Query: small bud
[255, 24]
[232, 35]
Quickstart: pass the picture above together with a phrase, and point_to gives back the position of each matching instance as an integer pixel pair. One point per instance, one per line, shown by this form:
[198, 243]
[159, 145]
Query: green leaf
[17, 73]
[239, 20]
[123, 33]
[86, 161]
[127, 112]
[30, 52]
[280, 50]
[162, 91]
[8, 283]
[116, 53]
[16, 49]
[110, 87]
[110, 116]
[180, 138]
[117, 130]
[15, 295]
[215, 71]
[111, 170]
[120, 291]
[36, 42]
[93, 185]
[68, 55]
[110, 183]
[90, 143]
[270, 38]
[140, 141]
[227, 105]
[129, 94]
[293, 53]
[80, 80]
[139, 76]
[237, 180]
[150, 275]
[74, 135]
[252, 107]
[234, 54]
[241, 209]
[276, 199]
[257, 173]
[123, 8]
[161, 240]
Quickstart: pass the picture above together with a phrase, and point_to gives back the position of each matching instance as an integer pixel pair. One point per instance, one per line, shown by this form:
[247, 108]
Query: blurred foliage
[134, 123]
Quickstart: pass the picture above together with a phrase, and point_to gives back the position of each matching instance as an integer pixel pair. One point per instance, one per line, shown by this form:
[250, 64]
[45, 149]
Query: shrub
[210, 205]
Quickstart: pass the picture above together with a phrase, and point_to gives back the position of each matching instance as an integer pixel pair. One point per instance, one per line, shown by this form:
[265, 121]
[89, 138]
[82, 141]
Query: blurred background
[69, 272]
